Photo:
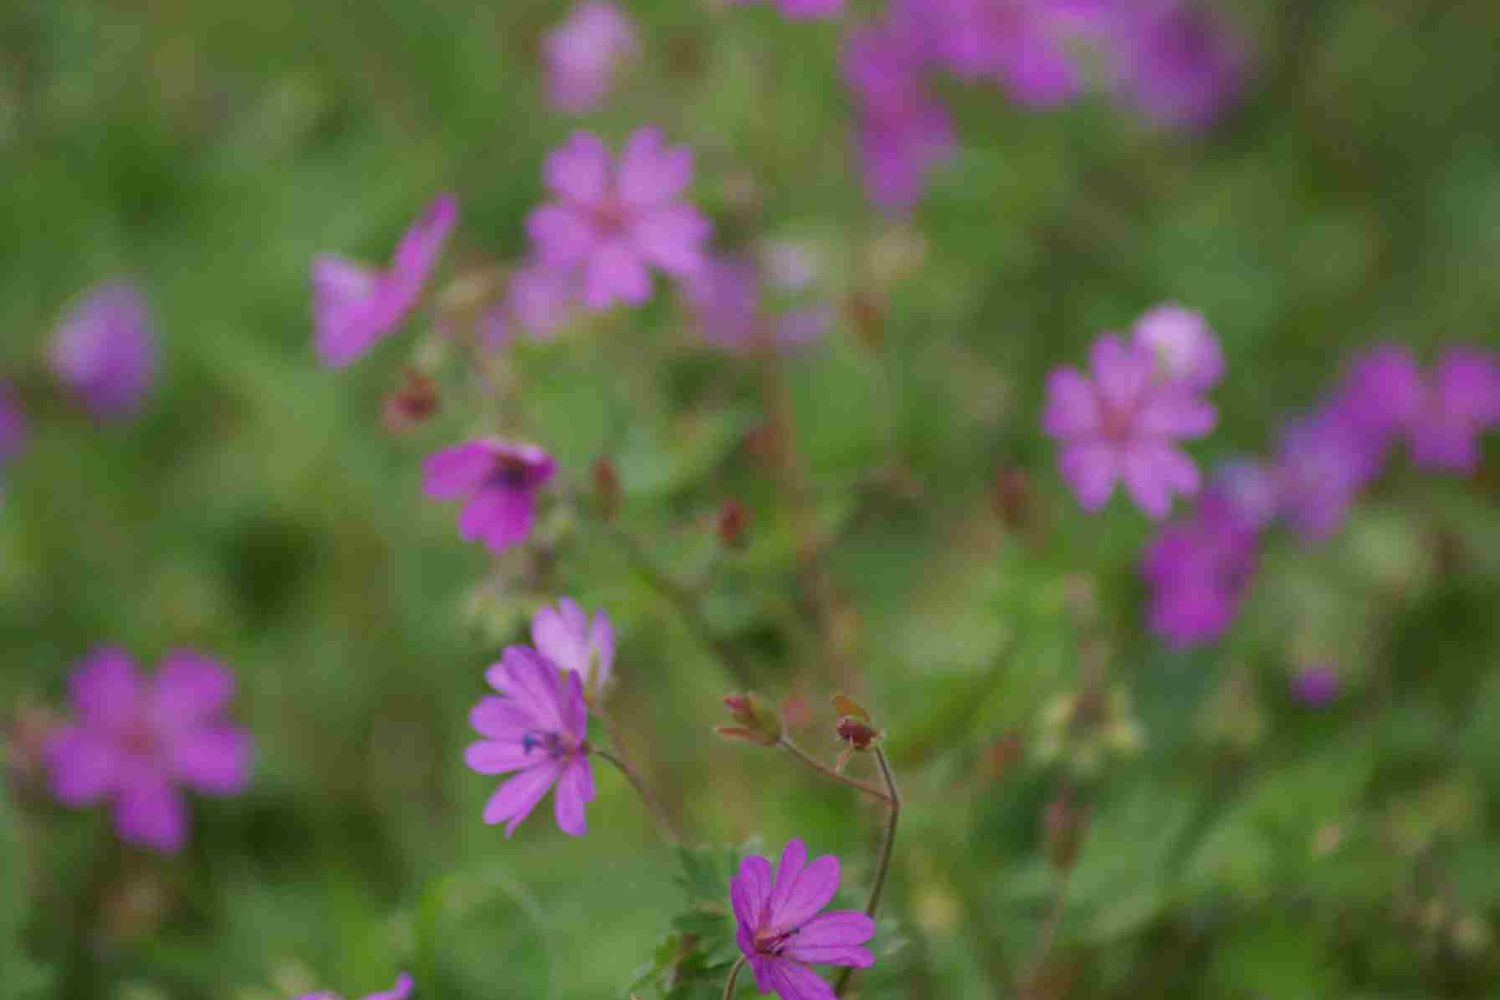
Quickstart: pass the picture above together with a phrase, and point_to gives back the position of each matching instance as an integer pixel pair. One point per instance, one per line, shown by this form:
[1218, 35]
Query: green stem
[734, 976]
[887, 851]
[668, 828]
[814, 764]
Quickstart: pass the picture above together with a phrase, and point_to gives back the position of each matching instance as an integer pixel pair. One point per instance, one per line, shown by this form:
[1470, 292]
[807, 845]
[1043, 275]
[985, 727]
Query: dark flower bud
[411, 403]
[732, 524]
[754, 720]
[854, 728]
[1014, 500]
[1064, 825]
[606, 487]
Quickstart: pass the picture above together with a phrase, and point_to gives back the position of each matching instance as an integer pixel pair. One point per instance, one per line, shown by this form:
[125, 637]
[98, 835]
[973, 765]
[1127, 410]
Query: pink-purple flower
[536, 729]
[574, 642]
[12, 424]
[612, 221]
[1185, 346]
[1325, 460]
[1123, 421]
[727, 300]
[1175, 60]
[780, 927]
[139, 743]
[498, 482]
[1198, 569]
[354, 306]
[538, 300]
[1316, 685]
[400, 991]
[104, 351]
[584, 55]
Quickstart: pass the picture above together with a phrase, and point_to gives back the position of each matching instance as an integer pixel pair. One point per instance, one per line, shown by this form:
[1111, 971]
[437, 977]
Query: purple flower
[1461, 401]
[1316, 686]
[104, 350]
[538, 300]
[1184, 344]
[803, 10]
[584, 54]
[1379, 395]
[1023, 45]
[1324, 461]
[1249, 488]
[12, 424]
[567, 637]
[401, 991]
[781, 931]
[138, 743]
[537, 728]
[1124, 423]
[1198, 570]
[613, 222]
[498, 482]
[726, 301]
[354, 306]
[1175, 60]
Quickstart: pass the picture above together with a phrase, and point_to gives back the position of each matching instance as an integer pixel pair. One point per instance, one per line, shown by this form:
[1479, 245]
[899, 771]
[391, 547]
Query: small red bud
[411, 403]
[755, 721]
[733, 524]
[606, 487]
[854, 728]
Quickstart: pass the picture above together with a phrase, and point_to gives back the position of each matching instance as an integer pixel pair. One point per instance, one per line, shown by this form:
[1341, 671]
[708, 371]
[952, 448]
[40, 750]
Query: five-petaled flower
[565, 635]
[104, 351]
[400, 991]
[537, 727]
[138, 743]
[781, 930]
[1123, 421]
[498, 482]
[355, 306]
[611, 222]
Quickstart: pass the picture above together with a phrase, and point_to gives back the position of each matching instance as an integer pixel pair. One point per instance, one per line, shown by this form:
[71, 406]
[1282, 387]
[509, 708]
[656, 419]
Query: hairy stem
[887, 851]
[814, 764]
[664, 822]
[734, 976]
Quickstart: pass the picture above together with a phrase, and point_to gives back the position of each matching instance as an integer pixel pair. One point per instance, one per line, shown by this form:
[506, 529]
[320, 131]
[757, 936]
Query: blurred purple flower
[1175, 59]
[538, 301]
[1316, 686]
[1462, 401]
[584, 54]
[104, 351]
[1379, 394]
[565, 635]
[138, 743]
[354, 306]
[1198, 570]
[1023, 45]
[401, 991]
[614, 222]
[1124, 422]
[538, 727]
[13, 431]
[781, 931]
[1323, 463]
[1249, 488]
[726, 301]
[1184, 345]
[498, 483]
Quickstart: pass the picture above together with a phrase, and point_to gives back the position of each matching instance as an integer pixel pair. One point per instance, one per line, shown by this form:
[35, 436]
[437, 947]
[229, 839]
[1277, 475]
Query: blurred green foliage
[1243, 847]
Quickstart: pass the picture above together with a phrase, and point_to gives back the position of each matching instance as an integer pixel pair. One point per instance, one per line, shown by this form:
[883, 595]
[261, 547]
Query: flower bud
[755, 721]
[411, 403]
[1014, 500]
[732, 524]
[606, 487]
[854, 728]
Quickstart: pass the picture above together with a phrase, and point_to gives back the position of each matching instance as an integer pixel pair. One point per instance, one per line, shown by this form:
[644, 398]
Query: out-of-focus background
[1240, 843]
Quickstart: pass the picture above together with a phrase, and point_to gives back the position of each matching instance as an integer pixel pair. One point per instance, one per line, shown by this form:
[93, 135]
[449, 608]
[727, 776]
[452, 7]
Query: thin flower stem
[668, 828]
[1049, 934]
[734, 977]
[828, 772]
[887, 851]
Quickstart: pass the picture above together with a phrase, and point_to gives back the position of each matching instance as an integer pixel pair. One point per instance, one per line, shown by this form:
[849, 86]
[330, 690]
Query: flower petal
[811, 890]
[650, 174]
[515, 799]
[343, 302]
[673, 239]
[150, 812]
[579, 170]
[533, 681]
[106, 690]
[81, 765]
[560, 235]
[498, 756]
[791, 981]
[1072, 409]
[575, 789]
[834, 939]
[189, 688]
[457, 472]
[614, 272]
[750, 892]
[1091, 469]
[501, 718]
[213, 761]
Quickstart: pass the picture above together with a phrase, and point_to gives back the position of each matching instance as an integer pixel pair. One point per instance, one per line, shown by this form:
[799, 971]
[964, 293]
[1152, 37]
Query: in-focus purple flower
[726, 300]
[1323, 463]
[1184, 345]
[585, 53]
[803, 10]
[104, 351]
[1176, 61]
[1123, 422]
[1461, 401]
[1198, 570]
[565, 635]
[614, 222]
[354, 307]
[401, 991]
[12, 424]
[140, 743]
[498, 483]
[537, 728]
[1316, 686]
[781, 930]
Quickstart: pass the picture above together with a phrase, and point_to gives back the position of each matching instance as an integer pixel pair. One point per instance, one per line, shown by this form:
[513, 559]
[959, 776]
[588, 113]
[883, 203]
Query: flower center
[609, 216]
[554, 746]
[1116, 423]
[509, 473]
[139, 739]
[774, 942]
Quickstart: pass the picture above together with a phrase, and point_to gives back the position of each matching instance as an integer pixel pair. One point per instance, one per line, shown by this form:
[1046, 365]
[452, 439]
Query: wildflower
[401, 991]
[498, 482]
[354, 306]
[139, 743]
[1316, 686]
[613, 221]
[1175, 61]
[1022, 45]
[536, 728]
[104, 351]
[1198, 570]
[1184, 345]
[725, 297]
[1124, 423]
[1323, 463]
[565, 635]
[781, 931]
[12, 424]
[1461, 400]
[585, 53]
